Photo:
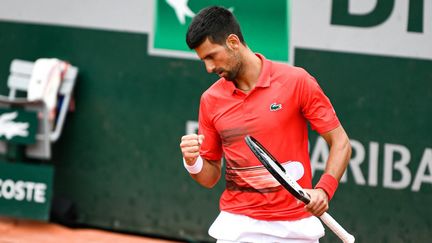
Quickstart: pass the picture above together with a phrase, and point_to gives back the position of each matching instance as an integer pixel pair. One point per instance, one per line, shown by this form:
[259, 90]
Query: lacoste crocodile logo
[10, 128]
[182, 9]
[275, 107]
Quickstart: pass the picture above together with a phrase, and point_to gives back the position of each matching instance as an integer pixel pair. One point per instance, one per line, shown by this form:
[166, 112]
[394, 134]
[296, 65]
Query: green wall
[386, 100]
[119, 160]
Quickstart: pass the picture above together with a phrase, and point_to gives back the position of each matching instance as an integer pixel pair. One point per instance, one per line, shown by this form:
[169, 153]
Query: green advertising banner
[265, 29]
[25, 190]
[18, 126]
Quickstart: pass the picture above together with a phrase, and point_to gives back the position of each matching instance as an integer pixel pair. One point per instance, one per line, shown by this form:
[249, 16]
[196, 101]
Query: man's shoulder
[288, 75]
[288, 69]
[216, 89]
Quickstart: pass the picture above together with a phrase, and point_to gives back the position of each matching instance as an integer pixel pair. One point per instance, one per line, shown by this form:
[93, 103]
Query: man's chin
[228, 78]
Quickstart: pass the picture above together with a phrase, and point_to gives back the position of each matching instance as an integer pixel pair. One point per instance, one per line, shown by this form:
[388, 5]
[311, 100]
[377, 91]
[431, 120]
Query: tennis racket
[279, 173]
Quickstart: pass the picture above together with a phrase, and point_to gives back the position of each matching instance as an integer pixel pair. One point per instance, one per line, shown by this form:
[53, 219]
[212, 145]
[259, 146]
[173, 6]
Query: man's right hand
[190, 146]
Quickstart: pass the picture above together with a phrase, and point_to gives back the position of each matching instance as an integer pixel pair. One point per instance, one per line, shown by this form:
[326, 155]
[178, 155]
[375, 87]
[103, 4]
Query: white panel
[311, 28]
[126, 15]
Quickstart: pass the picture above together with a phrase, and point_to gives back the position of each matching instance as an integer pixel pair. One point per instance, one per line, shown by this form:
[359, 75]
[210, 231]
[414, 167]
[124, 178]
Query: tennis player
[272, 102]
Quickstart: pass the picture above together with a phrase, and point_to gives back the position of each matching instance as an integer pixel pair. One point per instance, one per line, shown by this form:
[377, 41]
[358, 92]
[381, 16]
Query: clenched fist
[190, 145]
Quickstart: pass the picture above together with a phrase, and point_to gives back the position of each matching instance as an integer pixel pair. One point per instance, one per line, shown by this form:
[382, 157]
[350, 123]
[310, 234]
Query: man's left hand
[318, 201]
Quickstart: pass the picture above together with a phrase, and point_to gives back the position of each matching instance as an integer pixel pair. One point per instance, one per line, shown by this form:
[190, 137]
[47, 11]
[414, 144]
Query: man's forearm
[337, 162]
[340, 153]
[210, 173]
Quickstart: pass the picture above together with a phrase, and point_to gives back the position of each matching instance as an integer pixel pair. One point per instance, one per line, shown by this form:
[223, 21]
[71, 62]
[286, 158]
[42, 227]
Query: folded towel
[45, 81]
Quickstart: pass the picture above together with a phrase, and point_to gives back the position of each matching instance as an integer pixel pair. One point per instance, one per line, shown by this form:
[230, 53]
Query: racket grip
[337, 228]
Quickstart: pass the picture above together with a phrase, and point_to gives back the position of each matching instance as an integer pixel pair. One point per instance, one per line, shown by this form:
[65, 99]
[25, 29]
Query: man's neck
[252, 66]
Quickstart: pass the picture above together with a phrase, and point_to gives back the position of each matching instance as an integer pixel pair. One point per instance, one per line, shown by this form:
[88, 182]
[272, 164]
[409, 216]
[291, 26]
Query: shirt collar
[263, 78]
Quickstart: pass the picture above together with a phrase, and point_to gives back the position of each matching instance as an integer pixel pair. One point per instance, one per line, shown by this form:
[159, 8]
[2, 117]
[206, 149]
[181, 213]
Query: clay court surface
[27, 231]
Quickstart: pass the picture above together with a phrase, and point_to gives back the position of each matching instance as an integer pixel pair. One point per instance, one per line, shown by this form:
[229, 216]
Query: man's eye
[210, 57]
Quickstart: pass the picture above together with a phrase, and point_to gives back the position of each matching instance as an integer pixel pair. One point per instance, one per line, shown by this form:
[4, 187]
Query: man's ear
[233, 42]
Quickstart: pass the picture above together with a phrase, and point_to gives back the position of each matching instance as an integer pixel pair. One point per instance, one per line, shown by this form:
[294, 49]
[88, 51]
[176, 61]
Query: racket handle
[337, 228]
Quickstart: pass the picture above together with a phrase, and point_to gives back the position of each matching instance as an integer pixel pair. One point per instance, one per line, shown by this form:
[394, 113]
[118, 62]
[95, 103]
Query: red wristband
[329, 184]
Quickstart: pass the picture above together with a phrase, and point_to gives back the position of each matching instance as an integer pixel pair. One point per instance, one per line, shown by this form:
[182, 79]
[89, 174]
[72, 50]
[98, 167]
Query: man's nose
[209, 67]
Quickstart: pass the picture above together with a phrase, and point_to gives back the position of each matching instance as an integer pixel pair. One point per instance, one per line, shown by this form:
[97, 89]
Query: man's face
[220, 59]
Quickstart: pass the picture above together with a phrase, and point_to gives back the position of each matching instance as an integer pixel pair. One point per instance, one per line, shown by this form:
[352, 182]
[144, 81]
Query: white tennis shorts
[228, 228]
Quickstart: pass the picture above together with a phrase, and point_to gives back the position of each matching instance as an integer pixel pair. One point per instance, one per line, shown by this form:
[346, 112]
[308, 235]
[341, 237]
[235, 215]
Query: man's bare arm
[210, 173]
[340, 153]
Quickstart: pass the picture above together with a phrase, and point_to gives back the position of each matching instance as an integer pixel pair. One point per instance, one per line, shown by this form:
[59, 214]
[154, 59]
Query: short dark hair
[215, 23]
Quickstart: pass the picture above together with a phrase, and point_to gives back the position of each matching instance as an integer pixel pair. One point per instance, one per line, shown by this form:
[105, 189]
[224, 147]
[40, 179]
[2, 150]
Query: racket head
[276, 169]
